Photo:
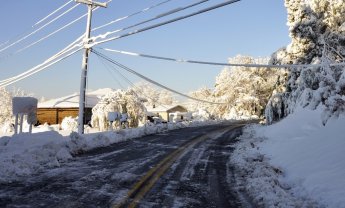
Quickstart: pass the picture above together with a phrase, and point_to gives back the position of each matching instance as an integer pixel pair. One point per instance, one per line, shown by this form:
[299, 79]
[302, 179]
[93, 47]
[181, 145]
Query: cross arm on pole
[93, 3]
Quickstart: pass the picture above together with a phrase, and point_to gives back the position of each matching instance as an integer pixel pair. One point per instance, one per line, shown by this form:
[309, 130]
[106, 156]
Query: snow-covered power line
[56, 31]
[46, 63]
[52, 33]
[105, 35]
[131, 15]
[40, 68]
[220, 64]
[72, 45]
[41, 20]
[40, 28]
[152, 81]
[52, 13]
[165, 23]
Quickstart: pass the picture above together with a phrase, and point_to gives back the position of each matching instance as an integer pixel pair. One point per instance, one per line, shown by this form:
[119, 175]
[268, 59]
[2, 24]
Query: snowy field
[24, 154]
[296, 162]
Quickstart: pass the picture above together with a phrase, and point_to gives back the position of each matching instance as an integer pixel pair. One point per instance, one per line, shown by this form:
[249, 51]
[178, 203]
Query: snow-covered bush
[6, 106]
[69, 123]
[201, 115]
[7, 127]
[124, 102]
[317, 30]
[6, 117]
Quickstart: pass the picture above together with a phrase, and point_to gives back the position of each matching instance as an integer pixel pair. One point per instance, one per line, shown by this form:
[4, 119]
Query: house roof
[162, 108]
[72, 101]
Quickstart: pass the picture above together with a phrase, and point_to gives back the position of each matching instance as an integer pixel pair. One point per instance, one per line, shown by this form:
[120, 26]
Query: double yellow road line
[144, 185]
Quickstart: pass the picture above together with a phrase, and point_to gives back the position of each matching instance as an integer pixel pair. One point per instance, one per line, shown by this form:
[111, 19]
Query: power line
[40, 28]
[52, 33]
[61, 52]
[110, 72]
[131, 15]
[150, 80]
[41, 20]
[38, 68]
[102, 36]
[108, 66]
[56, 31]
[217, 63]
[58, 9]
[166, 22]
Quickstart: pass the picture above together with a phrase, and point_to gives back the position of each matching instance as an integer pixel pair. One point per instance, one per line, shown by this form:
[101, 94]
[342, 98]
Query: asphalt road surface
[181, 168]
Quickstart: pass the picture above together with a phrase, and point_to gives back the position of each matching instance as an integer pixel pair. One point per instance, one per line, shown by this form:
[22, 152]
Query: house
[168, 112]
[55, 110]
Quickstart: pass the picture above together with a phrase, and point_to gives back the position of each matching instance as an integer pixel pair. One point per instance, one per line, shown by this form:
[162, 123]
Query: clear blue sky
[248, 27]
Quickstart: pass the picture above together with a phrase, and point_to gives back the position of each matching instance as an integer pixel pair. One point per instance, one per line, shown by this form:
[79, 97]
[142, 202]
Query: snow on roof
[72, 101]
[161, 108]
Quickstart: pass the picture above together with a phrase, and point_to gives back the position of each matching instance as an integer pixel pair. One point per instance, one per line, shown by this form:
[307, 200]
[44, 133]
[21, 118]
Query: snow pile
[295, 162]
[25, 154]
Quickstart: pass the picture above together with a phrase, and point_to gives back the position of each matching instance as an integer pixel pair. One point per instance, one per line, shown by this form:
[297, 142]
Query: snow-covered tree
[317, 30]
[203, 93]
[153, 95]
[245, 90]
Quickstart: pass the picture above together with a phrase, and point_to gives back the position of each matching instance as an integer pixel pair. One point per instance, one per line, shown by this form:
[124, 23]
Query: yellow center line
[145, 184]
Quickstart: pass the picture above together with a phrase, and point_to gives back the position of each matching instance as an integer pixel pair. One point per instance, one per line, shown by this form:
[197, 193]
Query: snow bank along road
[181, 168]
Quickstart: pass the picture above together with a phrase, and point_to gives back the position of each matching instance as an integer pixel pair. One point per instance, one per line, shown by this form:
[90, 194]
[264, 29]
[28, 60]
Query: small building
[55, 110]
[165, 111]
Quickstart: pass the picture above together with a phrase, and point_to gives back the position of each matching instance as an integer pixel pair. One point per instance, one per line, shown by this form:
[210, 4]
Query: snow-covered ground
[296, 162]
[24, 154]
[293, 163]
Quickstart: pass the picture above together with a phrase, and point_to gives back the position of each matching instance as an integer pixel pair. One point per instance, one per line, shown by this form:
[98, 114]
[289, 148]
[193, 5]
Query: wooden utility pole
[90, 4]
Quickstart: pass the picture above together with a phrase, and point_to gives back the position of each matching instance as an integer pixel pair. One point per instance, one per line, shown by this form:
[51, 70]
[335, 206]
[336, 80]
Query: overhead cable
[40, 28]
[105, 64]
[56, 31]
[105, 35]
[58, 9]
[41, 20]
[217, 63]
[131, 15]
[142, 93]
[74, 44]
[37, 68]
[165, 23]
[152, 81]
[41, 68]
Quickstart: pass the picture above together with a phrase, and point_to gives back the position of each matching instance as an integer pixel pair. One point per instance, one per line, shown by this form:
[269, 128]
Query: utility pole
[90, 4]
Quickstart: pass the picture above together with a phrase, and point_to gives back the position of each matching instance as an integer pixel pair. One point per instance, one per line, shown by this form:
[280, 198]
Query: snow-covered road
[196, 176]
